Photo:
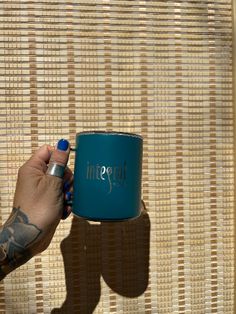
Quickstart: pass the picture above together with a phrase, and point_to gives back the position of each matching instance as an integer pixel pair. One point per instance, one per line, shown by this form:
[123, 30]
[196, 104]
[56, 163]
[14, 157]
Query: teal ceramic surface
[107, 175]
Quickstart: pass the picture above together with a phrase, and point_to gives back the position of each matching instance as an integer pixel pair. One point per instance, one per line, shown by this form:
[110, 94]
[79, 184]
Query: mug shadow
[118, 251]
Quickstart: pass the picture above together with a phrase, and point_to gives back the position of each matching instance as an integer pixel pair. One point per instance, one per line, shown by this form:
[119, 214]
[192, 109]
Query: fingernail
[68, 196]
[66, 186]
[63, 145]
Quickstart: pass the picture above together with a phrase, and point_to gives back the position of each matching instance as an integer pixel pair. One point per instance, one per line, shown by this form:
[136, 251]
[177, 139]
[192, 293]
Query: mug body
[107, 175]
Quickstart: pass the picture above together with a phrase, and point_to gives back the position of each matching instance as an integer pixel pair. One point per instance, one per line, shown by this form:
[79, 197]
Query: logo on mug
[114, 175]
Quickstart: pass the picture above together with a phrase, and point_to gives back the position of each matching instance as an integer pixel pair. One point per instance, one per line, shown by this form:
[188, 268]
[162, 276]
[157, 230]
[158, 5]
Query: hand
[38, 206]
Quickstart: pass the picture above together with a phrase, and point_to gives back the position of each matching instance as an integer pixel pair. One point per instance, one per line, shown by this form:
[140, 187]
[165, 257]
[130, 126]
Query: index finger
[40, 158]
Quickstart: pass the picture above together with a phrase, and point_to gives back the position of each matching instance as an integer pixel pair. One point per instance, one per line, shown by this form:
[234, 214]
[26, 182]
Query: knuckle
[55, 182]
[60, 157]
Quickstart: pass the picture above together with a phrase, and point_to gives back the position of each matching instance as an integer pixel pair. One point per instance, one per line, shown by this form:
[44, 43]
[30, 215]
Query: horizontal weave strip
[162, 69]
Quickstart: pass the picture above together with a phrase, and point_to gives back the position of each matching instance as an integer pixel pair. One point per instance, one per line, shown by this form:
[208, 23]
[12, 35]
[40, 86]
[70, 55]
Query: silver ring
[55, 170]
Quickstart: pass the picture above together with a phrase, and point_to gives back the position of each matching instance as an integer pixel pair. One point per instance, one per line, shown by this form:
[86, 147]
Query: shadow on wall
[118, 251]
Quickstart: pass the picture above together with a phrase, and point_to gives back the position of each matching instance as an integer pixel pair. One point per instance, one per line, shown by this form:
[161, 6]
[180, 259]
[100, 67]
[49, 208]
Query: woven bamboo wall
[159, 68]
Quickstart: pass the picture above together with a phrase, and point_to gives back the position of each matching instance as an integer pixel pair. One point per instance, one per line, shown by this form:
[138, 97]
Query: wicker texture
[162, 69]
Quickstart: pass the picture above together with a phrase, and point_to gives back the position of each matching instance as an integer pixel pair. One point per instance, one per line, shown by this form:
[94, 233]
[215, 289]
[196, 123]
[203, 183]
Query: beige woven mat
[159, 68]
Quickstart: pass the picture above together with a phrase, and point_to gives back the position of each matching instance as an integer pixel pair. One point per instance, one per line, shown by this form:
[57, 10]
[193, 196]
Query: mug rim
[110, 133]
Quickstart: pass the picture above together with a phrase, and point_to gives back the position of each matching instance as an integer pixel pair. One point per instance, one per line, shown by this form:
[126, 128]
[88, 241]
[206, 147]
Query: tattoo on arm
[16, 236]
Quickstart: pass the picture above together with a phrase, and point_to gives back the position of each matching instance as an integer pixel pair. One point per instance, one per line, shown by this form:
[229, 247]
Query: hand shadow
[119, 251]
[82, 262]
[125, 255]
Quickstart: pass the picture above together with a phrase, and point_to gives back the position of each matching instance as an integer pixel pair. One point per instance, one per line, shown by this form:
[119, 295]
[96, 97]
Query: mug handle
[67, 202]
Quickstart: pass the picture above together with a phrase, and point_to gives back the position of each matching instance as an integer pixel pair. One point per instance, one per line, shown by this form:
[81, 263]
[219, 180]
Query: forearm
[17, 238]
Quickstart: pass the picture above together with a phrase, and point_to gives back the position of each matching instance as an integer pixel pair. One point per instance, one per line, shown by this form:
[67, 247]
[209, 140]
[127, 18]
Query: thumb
[60, 155]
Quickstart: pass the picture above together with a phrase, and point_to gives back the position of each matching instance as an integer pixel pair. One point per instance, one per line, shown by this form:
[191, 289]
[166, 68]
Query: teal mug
[107, 176]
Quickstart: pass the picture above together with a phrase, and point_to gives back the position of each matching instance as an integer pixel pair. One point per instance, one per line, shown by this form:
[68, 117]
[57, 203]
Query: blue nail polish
[68, 196]
[63, 145]
[66, 186]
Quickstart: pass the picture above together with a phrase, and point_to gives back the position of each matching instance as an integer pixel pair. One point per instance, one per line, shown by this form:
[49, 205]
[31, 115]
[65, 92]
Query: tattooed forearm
[16, 237]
